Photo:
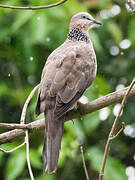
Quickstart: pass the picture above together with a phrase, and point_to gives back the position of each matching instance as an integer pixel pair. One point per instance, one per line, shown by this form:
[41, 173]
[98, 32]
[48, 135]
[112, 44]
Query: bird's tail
[52, 141]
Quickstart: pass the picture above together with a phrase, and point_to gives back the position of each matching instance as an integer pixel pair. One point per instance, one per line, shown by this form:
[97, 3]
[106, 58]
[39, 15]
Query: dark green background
[26, 40]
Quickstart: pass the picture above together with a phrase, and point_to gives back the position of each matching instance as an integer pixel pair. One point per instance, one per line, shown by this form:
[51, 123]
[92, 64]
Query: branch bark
[75, 113]
[112, 134]
[84, 164]
[23, 115]
[33, 8]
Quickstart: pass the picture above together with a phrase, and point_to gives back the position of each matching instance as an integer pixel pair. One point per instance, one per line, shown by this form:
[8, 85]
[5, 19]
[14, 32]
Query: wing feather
[64, 79]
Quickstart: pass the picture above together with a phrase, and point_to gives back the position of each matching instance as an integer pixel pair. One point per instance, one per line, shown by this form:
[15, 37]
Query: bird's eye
[84, 16]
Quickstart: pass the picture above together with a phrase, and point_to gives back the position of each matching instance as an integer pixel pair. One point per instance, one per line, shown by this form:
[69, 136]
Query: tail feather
[52, 141]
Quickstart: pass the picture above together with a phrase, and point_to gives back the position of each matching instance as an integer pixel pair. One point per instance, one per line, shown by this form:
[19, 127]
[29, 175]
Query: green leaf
[45, 176]
[91, 93]
[68, 144]
[1, 157]
[76, 129]
[114, 168]
[3, 89]
[91, 122]
[73, 7]
[51, 13]
[103, 3]
[101, 86]
[95, 155]
[35, 159]
[71, 140]
[15, 165]
[115, 31]
[21, 18]
[98, 87]
[131, 34]
[96, 41]
[39, 28]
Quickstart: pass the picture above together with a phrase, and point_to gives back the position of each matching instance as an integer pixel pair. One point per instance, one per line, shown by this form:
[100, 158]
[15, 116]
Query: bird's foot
[78, 104]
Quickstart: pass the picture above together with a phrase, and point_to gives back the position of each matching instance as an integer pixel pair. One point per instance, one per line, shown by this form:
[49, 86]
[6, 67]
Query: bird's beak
[97, 22]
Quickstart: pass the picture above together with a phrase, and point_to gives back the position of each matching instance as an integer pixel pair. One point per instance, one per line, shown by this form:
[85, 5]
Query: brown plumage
[68, 72]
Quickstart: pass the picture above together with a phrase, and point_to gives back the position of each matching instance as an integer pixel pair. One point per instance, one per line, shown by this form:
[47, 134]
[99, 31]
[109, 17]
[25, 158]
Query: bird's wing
[75, 76]
[68, 96]
[54, 76]
[64, 79]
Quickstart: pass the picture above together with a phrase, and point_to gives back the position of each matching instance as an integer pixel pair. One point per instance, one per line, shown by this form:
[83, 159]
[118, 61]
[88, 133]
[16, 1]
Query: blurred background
[26, 40]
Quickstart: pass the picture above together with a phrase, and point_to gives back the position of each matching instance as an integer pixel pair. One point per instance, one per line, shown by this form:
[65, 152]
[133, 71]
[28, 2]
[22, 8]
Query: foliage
[26, 40]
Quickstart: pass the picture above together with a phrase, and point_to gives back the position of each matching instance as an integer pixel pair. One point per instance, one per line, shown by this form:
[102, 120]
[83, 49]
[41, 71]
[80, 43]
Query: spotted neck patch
[77, 35]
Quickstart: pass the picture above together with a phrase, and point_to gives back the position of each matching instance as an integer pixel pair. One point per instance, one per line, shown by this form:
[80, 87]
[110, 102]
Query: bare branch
[33, 8]
[111, 134]
[22, 125]
[117, 134]
[14, 134]
[99, 103]
[28, 156]
[11, 135]
[131, 5]
[23, 115]
[82, 110]
[33, 125]
[14, 126]
[22, 122]
[84, 165]
[12, 150]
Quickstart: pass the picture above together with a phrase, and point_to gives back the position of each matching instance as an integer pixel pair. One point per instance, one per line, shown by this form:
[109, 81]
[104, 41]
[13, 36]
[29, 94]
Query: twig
[111, 134]
[92, 106]
[22, 122]
[33, 8]
[14, 126]
[23, 115]
[117, 134]
[22, 125]
[84, 165]
[27, 152]
[131, 5]
[12, 150]
[99, 103]
[33, 125]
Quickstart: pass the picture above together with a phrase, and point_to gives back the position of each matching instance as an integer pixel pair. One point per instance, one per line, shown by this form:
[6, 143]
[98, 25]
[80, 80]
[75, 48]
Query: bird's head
[83, 21]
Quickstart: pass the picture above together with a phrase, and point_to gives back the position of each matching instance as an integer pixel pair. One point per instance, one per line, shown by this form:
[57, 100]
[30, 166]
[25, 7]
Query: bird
[69, 70]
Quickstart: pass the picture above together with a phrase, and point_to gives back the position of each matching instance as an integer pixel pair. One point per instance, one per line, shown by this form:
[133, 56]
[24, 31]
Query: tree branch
[117, 134]
[22, 122]
[33, 8]
[23, 115]
[112, 134]
[12, 150]
[28, 154]
[26, 141]
[75, 113]
[84, 164]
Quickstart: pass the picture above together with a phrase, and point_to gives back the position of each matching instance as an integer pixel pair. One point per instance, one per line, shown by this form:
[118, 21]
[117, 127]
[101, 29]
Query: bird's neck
[76, 34]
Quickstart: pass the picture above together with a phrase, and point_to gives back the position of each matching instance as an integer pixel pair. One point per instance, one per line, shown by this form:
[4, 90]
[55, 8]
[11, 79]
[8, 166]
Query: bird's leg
[78, 104]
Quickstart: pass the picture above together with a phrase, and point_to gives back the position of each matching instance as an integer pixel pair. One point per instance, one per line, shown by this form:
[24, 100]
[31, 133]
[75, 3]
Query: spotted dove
[68, 72]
